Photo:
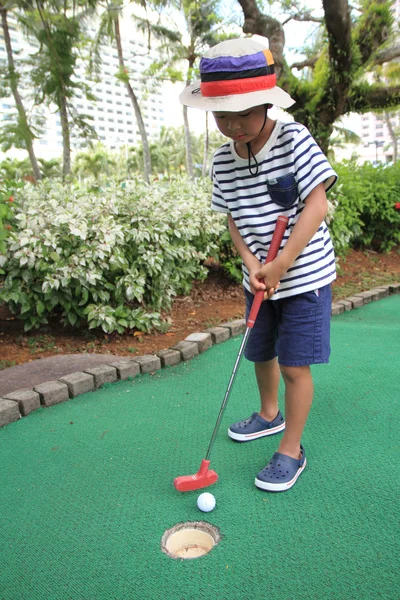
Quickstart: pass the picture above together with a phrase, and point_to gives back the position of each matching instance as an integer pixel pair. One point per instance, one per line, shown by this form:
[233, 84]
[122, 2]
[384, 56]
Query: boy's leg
[303, 339]
[269, 420]
[299, 390]
[268, 375]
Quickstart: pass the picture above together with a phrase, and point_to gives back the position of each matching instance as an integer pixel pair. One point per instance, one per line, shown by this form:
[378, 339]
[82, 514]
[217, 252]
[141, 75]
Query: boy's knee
[293, 374]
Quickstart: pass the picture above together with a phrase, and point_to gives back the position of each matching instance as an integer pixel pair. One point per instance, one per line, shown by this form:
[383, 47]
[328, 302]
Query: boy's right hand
[258, 284]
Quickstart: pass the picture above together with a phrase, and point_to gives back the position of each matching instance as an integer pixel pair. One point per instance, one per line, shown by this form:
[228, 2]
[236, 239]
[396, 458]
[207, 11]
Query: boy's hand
[258, 283]
[267, 278]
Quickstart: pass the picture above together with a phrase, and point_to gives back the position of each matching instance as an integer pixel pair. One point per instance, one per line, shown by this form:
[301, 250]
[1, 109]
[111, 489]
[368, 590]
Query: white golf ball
[206, 502]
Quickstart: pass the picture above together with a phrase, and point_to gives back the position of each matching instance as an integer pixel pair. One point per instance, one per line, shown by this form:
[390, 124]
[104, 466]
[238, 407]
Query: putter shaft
[228, 391]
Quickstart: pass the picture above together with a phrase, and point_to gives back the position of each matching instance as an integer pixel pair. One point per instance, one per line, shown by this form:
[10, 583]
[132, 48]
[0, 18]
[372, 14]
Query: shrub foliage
[364, 202]
[114, 258]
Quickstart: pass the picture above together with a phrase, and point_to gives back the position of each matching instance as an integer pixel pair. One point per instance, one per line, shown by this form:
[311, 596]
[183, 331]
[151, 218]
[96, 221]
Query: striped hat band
[230, 75]
[236, 74]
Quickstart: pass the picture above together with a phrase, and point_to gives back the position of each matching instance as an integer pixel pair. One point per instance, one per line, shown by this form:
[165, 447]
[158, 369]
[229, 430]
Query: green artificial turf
[86, 487]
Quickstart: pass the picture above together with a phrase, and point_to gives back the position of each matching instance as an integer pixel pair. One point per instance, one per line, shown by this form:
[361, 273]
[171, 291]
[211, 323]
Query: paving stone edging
[21, 403]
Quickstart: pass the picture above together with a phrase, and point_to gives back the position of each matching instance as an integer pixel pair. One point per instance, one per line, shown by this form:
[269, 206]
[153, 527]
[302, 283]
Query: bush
[7, 193]
[229, 258]
[345, 204]
[364, 207]
[381, 222]
[113, 259]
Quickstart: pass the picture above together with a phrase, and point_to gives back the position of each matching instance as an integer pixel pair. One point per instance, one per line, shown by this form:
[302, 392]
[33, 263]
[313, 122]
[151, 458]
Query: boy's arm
[252, 263]
[314, 212]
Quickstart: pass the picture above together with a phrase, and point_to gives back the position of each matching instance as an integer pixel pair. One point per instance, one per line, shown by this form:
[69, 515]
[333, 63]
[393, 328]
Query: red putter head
[203, 478]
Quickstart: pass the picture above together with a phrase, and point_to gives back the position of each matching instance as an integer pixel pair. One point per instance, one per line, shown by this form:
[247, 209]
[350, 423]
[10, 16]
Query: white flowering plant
[114, 258]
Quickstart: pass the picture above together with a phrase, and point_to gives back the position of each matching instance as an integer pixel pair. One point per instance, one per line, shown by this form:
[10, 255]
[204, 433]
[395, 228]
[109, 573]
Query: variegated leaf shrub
[113, 258]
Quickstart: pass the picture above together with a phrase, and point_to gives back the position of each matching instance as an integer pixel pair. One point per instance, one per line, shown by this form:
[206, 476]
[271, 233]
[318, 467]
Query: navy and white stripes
[290, 150]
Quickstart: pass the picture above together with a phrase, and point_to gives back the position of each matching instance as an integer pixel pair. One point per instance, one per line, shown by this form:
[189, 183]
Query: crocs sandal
[281, 473]
[255, 427]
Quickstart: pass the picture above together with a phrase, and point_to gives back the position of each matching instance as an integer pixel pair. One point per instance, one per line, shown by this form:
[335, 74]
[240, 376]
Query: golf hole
[190, 540]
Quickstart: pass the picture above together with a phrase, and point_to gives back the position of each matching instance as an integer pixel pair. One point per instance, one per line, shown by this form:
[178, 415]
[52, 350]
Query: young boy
[267, 169]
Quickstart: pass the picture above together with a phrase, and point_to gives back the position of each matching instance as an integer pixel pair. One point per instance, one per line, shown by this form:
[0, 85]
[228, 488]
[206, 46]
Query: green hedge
[112, 259]
[364, 207]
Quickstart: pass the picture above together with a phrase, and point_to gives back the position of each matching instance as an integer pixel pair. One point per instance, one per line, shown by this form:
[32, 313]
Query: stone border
[21, 403]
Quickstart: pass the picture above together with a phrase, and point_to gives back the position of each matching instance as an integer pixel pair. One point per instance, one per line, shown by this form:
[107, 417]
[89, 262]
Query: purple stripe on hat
[233, 63]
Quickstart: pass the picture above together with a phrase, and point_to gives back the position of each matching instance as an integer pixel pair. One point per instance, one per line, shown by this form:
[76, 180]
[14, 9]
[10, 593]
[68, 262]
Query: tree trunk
[62, 107]
[136, 107]
[392, 134]
[27, 134]
[206, 148]
[188, 142]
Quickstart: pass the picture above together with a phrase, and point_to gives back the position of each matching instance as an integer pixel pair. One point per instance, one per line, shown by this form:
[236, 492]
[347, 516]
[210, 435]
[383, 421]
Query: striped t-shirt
[290, 151]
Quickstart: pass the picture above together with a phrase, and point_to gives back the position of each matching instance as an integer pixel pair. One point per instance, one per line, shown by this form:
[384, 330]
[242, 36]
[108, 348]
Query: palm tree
[95, 162]
[109, 30]
[57, 28]
[23, 130]
[201, 20]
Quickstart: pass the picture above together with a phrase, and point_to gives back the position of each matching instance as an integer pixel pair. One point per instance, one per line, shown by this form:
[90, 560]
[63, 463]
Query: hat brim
[191, 96]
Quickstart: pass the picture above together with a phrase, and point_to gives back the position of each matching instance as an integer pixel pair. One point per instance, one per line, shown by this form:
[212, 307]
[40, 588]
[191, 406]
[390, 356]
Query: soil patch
[211, 302]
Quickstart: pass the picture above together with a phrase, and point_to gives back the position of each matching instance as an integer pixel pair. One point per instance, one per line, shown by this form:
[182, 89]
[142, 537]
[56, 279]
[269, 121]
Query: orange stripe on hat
[268, 55]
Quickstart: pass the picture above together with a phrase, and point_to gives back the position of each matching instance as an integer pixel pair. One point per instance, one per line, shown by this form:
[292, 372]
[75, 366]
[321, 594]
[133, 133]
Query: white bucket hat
[236, 75]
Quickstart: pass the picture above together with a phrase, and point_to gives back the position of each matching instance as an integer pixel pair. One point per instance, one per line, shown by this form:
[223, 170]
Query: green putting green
[86, 489]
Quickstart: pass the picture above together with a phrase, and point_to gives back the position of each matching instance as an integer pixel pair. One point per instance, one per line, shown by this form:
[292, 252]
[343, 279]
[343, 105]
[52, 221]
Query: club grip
[279, 231]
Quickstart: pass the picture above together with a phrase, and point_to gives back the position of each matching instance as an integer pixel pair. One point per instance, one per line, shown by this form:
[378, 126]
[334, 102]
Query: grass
[4, 364]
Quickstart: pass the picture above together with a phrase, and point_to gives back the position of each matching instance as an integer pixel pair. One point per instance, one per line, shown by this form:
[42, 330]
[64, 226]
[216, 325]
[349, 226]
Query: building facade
[111, 115]
[375, 128]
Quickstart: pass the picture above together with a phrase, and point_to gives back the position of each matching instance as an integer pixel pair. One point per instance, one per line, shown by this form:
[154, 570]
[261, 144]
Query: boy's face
[242, 127]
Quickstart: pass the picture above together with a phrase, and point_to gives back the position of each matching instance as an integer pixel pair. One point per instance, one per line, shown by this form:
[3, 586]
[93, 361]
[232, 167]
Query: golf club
[205, 476]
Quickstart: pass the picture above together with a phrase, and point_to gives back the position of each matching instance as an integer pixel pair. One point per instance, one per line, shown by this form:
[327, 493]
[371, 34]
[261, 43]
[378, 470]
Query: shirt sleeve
[217, 202]
[311, 165]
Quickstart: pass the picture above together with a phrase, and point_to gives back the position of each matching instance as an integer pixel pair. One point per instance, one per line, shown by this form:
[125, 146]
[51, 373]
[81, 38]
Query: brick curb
[21, 403]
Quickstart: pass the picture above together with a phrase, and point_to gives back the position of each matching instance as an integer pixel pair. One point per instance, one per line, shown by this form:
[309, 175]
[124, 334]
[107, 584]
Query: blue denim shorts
[295, 329]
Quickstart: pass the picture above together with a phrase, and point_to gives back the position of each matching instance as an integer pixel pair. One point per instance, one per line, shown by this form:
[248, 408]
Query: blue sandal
[281, 473]
[255, 427]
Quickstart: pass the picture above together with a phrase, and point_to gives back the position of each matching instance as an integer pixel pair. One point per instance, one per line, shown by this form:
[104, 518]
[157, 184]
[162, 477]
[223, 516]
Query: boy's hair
[236, 75]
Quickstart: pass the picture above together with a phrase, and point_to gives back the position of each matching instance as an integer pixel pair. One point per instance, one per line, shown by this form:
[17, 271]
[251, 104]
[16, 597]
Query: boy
[267, 169]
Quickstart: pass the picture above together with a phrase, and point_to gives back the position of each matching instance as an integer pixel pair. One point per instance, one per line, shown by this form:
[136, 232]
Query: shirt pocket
[283, 190]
